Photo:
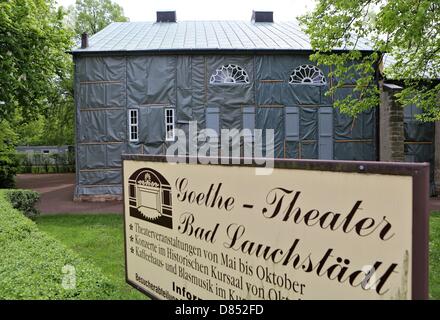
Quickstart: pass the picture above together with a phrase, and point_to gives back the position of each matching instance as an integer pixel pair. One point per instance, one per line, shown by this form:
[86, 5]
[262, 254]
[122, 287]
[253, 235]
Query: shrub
[8, 169]
[24, 201]
[33, 264]
[8, 160]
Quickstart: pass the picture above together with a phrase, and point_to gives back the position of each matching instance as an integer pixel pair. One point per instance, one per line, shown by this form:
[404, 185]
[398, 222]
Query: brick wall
[392, 136]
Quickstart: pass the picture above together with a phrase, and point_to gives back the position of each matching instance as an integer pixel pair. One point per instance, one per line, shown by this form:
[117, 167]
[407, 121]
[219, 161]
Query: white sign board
[222, 232]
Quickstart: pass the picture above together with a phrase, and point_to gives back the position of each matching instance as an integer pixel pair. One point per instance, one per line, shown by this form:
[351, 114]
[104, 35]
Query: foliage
[33, 59]
[24, 201]
[59, 119]
[59, 124]
[408, 30]
[31, 133]
[33, 264]
[46, 169]
[8, 170]
[92, 16]
[54, 128]
[8, 161]
[36, 72]
[98, 238]
[36, 78]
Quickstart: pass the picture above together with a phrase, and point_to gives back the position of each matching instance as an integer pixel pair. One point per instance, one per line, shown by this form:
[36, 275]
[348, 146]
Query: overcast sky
[145, 10]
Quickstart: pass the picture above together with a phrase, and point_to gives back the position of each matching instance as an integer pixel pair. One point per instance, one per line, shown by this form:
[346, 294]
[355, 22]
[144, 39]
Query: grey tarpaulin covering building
[135, 79]
[418, 137]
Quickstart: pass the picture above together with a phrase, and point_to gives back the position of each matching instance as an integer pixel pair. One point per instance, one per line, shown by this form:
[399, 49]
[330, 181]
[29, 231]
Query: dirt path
[57, 195]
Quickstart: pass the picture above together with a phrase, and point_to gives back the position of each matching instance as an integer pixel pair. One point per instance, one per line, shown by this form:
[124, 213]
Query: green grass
[36, 266]
[97, 238]
[434, 256]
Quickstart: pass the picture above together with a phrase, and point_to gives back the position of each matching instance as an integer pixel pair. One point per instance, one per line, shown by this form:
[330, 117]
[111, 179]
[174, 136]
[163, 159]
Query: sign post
[309, 230]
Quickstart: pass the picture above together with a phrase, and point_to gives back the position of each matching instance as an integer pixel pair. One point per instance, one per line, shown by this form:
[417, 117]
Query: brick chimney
[262, 16]
[166, 16]
[84, 40]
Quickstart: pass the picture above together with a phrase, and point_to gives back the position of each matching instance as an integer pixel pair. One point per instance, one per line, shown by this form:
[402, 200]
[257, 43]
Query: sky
[145, 10]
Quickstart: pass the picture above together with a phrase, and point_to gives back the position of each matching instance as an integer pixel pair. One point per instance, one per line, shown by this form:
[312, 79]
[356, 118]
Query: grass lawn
[434, 256]
[99, 238]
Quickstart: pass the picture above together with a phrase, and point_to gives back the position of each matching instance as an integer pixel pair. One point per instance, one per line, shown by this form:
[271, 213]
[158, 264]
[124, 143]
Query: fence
[46, 163]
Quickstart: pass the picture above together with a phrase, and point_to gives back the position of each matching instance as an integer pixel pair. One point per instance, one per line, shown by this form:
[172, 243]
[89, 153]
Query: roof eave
[201, 51]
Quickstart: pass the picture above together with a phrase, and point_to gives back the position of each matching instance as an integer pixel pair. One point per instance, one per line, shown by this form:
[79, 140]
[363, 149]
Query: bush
[24, 201]
[8, 160]
[8, 169]
[33, 264]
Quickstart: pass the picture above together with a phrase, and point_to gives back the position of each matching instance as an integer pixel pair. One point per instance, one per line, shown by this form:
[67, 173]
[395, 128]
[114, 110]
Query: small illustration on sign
[150, 197]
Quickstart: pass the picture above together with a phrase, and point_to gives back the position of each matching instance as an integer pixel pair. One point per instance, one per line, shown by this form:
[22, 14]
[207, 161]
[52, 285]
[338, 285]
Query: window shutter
[326, 133]
[213, 119]
[249, 118]
[292, 123]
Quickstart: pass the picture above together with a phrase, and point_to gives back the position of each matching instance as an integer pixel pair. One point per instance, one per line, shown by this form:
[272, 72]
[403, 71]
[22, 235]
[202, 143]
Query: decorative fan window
[308, 74]
[230, 74]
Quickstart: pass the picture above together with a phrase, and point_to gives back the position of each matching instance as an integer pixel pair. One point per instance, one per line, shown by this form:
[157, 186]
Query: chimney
[166, 16]
[84, 40]
[262, 16]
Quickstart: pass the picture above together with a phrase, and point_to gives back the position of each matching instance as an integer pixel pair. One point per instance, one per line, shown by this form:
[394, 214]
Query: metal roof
[201, 35]
[389, 61]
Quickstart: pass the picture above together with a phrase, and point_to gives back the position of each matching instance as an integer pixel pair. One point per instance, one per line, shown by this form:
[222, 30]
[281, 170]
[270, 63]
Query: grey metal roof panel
[201, 35]
[389, 61]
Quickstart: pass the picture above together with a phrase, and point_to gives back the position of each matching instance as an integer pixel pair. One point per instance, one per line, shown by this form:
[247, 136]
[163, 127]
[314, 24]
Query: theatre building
[137, 82]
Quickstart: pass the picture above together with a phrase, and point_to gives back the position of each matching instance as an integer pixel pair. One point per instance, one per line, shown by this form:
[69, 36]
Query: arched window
[307, 74]
[230, 74]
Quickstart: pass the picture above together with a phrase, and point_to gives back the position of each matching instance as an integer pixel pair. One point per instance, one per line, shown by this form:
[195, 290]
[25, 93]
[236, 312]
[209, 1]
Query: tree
[35, 76]
[92, 16]
[407, 30]
[33, 59]
[55, 124]
[8, 162]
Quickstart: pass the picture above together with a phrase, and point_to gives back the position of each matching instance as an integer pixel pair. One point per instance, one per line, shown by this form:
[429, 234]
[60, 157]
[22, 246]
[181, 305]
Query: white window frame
[169, 124]
[308, 74]
[230, 74]
[133, 126]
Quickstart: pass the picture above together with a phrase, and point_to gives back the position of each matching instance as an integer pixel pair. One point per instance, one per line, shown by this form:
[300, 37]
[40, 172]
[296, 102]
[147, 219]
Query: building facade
[135, 83]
